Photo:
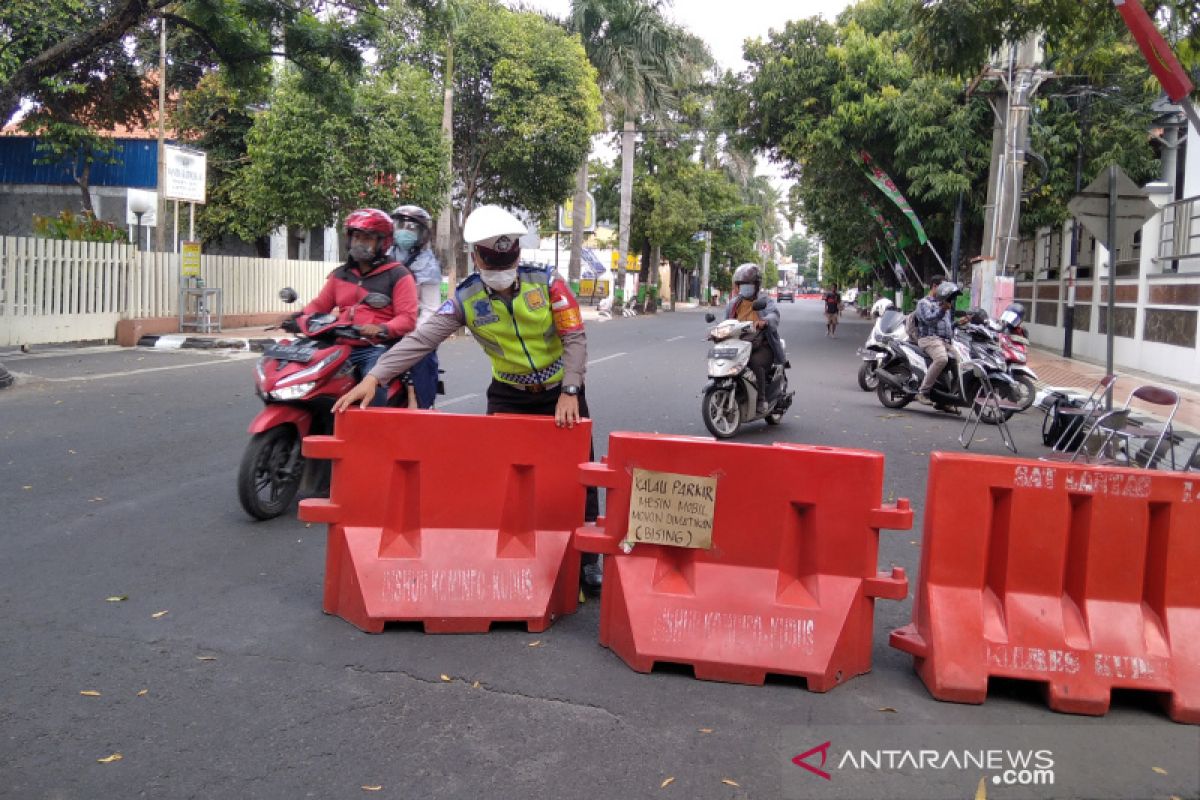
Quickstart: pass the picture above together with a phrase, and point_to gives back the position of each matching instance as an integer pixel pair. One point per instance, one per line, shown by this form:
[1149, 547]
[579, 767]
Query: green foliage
[77, 228]
[311, 161]
[817, 93]
[526, 105]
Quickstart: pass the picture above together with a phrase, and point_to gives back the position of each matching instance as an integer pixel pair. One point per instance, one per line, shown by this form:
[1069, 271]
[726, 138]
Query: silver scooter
[731, 395]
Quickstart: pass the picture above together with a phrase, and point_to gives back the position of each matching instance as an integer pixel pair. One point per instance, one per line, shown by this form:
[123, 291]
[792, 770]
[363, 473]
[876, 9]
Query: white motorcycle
[889, 322]
[731, 396]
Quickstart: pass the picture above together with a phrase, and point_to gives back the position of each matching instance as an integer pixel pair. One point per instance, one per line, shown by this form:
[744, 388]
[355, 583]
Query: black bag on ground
[1067, 427]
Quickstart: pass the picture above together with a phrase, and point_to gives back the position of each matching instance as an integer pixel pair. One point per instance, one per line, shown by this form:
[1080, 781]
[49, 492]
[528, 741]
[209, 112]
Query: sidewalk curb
[178, 341]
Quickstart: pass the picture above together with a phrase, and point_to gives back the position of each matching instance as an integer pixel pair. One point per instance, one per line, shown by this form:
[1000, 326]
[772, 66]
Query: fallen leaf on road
[446, 678]
[158, 614]
[109, 759]
[728, 782]
[706, 730]
[95, 500]
[538, 643]
[981, 792]
[666, 783]
[475, 685]
[888, 709]
[372, 788]
[1159, 770]
[26, 487]
[206, 658]
[117, 598]
[890, 416]
[143, 693]
[72, 452]
[90, 693]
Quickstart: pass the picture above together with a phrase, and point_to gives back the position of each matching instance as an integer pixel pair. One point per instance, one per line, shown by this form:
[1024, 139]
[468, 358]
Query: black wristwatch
[570, 389]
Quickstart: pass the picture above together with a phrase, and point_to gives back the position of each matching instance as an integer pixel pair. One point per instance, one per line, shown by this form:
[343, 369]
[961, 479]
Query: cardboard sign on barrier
[671, 509]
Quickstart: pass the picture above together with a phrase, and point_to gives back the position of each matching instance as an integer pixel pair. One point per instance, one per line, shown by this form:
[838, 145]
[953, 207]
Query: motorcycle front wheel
[868, 381]
[1025, 391]
[889, 396]
[721, 411]
[270, 472]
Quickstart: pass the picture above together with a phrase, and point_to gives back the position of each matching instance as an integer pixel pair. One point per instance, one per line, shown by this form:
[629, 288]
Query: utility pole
[704, 293]
[1001, 226]
[160, 227]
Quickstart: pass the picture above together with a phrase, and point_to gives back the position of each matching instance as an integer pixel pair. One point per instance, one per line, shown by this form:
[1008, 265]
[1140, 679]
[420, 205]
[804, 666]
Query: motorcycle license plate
[290, 352]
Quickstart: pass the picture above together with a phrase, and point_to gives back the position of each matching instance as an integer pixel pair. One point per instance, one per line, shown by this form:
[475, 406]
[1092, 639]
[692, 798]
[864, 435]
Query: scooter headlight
[293, 392]
[309, 372]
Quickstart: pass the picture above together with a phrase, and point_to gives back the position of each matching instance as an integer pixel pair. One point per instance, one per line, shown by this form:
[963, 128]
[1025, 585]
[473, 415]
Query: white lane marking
[139, 371]
[676, 338]
[460, 399]
[606, 358]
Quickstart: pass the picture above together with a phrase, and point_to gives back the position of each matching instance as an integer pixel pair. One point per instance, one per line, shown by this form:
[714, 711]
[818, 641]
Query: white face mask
[498, 279]
[746, 290]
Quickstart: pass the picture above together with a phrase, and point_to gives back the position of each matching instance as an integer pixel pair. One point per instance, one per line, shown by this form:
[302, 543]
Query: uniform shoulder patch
[447, 309]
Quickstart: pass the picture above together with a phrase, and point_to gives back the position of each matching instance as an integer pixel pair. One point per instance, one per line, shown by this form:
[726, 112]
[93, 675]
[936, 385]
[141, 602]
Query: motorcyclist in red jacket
[370, 271]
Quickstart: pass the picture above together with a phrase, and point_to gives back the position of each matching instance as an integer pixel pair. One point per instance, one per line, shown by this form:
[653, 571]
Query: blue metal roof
[137, 164]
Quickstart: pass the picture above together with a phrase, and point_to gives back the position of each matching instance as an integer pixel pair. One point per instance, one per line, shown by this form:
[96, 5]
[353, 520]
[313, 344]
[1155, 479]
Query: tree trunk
[654, 278]
[578, 213]
[627, 137]
[445, 248]
[83, 179]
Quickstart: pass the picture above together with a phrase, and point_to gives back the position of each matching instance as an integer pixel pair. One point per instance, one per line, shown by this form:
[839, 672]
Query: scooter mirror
[709, 317]
[377, 300]
[288, 295]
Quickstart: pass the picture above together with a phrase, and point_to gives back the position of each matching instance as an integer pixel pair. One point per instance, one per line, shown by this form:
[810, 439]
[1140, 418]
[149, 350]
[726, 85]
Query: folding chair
[1193, 462]
[1158, 396]
[1092, 408]
[988, 400]
[1096, 446]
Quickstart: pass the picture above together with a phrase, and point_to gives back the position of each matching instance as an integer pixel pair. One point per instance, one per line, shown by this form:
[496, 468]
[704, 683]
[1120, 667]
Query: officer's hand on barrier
[361, 394]
[566, 413]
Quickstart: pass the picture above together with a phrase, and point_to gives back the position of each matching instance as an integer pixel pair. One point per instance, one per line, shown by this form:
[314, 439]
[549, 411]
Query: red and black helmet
[373, 221]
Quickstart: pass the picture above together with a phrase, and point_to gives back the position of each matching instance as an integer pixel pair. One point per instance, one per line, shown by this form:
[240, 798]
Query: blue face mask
[405, 240]
[746, 290]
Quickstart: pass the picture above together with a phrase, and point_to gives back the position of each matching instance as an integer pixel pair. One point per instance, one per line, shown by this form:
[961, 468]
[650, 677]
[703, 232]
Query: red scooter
[299, 380]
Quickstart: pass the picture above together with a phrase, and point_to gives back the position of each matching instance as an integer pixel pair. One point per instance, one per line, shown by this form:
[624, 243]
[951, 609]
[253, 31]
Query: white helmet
[496, 235]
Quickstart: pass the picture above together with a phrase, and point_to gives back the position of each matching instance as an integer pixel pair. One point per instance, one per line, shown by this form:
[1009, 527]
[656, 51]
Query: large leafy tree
[644, 62]
[310, 161]
[49, 45]
[526, 104]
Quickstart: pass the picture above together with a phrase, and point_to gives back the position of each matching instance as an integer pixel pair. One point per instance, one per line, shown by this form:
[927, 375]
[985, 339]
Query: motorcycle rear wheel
[868, 381]
[889, 397]
[721, 411]
[270, 472]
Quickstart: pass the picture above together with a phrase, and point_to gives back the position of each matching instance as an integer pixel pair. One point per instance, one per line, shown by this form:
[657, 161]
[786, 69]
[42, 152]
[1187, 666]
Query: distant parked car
[786, 296]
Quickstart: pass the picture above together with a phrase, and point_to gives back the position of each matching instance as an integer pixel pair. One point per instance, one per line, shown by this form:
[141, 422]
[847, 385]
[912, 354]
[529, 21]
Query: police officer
[527, 321]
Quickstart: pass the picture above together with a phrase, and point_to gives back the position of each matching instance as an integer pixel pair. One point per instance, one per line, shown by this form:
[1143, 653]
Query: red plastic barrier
[452, 520]
[789, 584]
[1083, 578]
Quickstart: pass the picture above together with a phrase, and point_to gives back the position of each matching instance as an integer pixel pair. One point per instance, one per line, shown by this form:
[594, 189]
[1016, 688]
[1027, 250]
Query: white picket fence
[58, 291]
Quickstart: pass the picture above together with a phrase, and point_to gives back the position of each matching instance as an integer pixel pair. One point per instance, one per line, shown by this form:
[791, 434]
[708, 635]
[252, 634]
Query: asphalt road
[219, 676]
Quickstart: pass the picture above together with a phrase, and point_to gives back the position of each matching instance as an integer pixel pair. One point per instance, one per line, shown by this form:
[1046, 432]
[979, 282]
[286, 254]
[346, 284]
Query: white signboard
[146, 201]
[185, 174]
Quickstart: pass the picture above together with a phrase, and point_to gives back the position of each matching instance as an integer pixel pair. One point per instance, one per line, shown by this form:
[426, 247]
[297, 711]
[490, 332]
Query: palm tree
[641, 59]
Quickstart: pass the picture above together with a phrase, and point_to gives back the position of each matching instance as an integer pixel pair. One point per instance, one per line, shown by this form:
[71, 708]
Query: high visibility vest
[523, 344]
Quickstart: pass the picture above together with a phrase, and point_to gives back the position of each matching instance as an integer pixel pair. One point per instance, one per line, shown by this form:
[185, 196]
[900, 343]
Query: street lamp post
[139, 205]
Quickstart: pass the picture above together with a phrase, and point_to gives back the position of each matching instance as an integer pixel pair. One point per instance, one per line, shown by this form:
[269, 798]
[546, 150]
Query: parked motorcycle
[731, 396]
[904, 368]
[889, 321]
[1013, 341]
[298, 380]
